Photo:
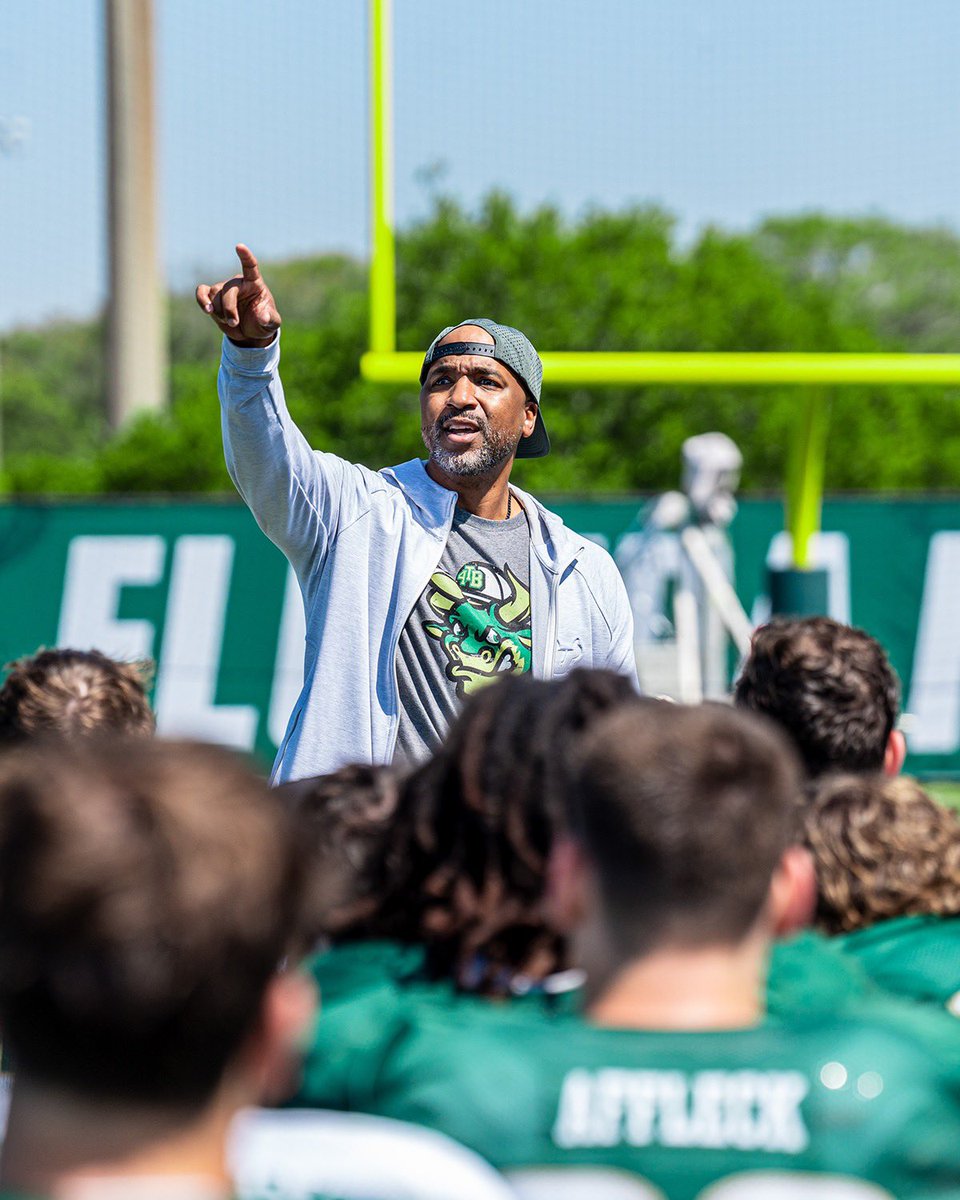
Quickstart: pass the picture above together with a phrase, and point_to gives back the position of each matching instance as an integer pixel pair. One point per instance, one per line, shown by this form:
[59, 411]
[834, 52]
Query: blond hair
[883, 848]
[74, 693]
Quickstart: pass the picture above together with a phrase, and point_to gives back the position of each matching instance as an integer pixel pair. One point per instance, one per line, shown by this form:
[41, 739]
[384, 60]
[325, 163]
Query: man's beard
[494, 449]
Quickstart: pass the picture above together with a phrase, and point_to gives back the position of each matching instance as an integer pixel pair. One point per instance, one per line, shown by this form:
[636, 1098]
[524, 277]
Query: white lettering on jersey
[741, 1110]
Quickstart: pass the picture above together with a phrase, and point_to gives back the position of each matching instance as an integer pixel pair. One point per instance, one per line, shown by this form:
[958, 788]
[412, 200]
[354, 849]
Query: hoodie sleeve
[301, 498]
[622, 656]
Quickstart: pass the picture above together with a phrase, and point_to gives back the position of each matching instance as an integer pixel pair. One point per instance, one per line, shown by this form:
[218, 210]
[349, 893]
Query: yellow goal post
[383, 363]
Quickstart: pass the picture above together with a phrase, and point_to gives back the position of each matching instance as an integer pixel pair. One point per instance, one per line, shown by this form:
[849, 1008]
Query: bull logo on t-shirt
[485, 624]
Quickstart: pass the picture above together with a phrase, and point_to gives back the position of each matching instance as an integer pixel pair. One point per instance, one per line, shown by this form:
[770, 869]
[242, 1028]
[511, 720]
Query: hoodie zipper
[550, 649]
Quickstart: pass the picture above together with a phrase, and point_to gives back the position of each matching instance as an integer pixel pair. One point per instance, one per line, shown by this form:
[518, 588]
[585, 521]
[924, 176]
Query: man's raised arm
[299, 497]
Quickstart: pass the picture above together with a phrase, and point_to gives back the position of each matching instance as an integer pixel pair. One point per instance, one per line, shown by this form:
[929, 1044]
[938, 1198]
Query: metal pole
[137, 349]
[383, 284]
[719, 589]
[686, 620]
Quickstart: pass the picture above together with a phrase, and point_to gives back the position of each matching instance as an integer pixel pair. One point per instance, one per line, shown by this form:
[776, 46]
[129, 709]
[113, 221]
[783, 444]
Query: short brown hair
[147, 893]
[685, 814]
[883, 848]
[830, 686]
[74, 693]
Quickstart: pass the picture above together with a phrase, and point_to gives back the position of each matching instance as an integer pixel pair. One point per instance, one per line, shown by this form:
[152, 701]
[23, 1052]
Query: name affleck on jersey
[717, 1110]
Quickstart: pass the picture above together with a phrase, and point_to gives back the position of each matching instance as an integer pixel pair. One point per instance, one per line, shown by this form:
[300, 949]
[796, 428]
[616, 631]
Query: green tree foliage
[606, 281]
[903, 283]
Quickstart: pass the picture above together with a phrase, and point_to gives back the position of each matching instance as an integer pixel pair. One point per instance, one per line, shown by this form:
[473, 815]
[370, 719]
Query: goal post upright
[383, 272]
[806, 453]
[813, 371]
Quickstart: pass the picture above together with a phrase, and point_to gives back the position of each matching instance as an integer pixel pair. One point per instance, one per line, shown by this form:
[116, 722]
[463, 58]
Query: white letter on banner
[98, 568]
[288, 672]
[192, 642]
[935, 686]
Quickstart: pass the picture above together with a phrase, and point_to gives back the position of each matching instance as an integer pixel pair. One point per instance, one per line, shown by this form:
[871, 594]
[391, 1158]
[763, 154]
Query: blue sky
[722, 110]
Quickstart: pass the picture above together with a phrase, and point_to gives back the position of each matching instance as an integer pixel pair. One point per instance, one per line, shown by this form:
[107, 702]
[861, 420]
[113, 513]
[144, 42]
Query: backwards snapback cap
[514, 350]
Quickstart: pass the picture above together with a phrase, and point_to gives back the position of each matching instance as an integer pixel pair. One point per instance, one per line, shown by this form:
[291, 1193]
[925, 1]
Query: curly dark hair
[883, 848]
[454, 857]
[830, 686]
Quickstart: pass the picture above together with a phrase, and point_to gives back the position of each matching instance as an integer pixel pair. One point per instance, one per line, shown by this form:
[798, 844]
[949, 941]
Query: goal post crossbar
[383, 363]
[766, 369]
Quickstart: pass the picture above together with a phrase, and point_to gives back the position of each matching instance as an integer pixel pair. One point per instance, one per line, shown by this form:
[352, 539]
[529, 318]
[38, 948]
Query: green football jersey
[918, 957]
[360, 984]
[837, 1102]
[810, 972]
[370, 992]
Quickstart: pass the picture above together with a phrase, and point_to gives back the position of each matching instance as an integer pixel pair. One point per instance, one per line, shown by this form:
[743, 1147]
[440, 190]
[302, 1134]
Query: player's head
[831, 687]
[74, 693]
[463, 861]
[480, 398]
[882, 848]
[685, 824]
[343, 823]
[148, 893]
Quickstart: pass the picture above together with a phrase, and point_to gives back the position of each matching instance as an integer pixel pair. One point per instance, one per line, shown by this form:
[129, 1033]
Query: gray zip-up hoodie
[363, 545]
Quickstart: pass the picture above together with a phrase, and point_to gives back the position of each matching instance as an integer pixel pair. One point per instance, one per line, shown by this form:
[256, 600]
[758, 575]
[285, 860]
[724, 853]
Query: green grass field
[947, 791]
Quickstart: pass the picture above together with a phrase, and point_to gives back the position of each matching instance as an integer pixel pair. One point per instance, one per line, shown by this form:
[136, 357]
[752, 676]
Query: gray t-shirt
[471, 624]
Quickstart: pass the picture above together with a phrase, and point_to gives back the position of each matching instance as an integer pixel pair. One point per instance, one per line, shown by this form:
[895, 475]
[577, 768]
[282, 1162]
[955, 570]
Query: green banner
[198, 588]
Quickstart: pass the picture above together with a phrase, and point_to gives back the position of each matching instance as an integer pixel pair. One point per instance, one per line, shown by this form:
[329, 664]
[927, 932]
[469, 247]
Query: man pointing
[420, 582]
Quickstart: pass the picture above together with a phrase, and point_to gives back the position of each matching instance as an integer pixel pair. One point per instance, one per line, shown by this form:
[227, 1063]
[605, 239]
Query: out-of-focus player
[149, 897]
[683, 868]
[429, 893]
[831, 687]
[74, 693]
[431, 889]
[887, 859]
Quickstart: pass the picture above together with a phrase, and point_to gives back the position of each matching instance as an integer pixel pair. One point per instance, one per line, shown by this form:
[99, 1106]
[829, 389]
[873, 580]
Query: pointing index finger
[251, 272]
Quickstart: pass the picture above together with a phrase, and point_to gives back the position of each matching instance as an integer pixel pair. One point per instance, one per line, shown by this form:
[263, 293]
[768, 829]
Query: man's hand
[242, 307]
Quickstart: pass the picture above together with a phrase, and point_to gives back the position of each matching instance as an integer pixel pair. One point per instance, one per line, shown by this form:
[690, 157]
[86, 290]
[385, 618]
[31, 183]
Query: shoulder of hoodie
[594, 557]
[593, 561]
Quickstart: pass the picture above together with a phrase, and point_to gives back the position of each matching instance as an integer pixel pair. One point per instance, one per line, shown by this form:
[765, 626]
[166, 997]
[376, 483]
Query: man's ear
[566, 895]
[793, 892]
[895, 753]
[530, 417]
[286, 1023]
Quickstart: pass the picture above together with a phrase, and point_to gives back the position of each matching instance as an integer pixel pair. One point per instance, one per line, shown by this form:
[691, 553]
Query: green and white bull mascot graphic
[485, 624]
